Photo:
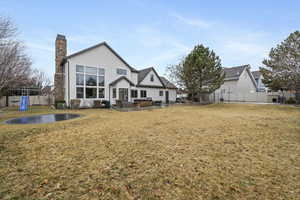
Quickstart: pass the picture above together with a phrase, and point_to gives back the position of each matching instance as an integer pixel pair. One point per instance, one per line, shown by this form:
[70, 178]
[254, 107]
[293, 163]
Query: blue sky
[154, 33]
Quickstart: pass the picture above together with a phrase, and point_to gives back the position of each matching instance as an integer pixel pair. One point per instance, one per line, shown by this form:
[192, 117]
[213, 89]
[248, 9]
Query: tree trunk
[6, 100]
[297, 96]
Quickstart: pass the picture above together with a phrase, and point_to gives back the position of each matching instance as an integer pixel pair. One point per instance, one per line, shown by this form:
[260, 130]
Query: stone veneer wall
[60, 53]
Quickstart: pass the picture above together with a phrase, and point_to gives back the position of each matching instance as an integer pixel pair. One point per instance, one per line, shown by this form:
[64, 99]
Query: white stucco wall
[134, 77]
[227, 90]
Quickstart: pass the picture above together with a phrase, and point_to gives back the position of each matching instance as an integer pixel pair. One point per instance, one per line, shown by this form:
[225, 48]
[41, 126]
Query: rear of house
[99, 73]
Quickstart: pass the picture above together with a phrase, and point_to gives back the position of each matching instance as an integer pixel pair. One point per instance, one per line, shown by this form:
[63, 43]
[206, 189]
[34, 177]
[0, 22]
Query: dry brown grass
[183, 152]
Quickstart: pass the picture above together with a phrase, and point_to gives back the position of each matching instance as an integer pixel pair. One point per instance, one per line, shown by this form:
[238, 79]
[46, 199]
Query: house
[182, 94]
[100, 73]
[258, 79]
[239, 85]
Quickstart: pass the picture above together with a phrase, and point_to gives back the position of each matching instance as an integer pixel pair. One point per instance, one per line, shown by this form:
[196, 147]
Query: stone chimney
[60, 53]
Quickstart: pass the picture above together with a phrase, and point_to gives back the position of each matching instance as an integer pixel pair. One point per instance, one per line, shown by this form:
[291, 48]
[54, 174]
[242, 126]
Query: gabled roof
[143, 73]
[167, 83]
[233, 73]
[256, 74]
[121, 78]
[111, 49]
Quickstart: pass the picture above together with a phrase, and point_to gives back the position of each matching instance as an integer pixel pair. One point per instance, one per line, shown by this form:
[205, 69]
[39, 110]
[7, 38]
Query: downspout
[109, 95]
[68, 83]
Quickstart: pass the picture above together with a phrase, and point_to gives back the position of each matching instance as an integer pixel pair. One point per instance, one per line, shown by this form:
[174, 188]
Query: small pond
[40, 119]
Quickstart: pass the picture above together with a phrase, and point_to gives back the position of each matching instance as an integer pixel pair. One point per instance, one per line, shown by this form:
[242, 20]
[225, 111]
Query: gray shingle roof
[233, 73]
[167, 83]
[143, 73]
[256, 74]
[121, 78]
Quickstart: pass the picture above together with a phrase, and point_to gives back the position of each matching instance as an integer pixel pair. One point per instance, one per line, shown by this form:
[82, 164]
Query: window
[101, 71]
[79, 79]
[79, 68]
[101, 93]
[89, 81]
[79, 92]
[152, 78]
[161, 93]
[114, 93]
[134, 93]
[100, 80]
[121, 71]
[143, 93]
[91, 70]
[90, 93]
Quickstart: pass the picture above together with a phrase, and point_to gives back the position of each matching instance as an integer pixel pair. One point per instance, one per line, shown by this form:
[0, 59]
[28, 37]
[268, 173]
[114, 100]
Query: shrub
[291, 100]
[75, 103]
[60, 104]
[106, 103]
[97, 104]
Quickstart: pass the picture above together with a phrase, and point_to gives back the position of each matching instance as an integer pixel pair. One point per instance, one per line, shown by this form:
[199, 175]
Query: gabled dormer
[149, 78]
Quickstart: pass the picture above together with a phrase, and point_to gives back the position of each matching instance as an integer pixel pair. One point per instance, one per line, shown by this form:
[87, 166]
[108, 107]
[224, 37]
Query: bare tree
[40, 79]
[14, 63]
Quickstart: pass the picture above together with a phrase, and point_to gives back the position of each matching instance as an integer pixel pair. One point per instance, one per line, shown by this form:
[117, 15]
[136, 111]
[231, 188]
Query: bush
[60, 104]
[75, 103]
[97, 104]
[291, 100]
[106, 104]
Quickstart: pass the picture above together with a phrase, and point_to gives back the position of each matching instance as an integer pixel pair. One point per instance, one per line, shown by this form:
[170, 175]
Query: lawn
[224, 151]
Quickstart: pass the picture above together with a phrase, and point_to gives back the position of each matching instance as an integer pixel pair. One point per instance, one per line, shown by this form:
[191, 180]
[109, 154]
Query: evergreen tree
[199, 72]
[282, 69]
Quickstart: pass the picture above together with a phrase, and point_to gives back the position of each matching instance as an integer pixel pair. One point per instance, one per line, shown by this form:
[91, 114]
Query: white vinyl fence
[33, 100]
[258, 97]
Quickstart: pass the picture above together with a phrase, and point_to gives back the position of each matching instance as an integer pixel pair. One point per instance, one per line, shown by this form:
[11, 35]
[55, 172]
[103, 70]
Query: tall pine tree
[282, 69]
[199, 72]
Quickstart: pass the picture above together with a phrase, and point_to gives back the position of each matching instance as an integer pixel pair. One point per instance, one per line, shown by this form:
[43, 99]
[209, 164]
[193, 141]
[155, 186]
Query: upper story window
[91, 70]
[89, 82]
[121, 71]
[152, 78]
[79, 68]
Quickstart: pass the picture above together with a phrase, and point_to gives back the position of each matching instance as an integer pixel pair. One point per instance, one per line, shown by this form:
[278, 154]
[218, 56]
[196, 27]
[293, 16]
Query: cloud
[199, 23]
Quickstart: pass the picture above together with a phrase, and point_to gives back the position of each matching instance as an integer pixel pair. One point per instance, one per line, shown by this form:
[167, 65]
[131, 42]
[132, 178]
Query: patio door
[123, 94]
[167, 96]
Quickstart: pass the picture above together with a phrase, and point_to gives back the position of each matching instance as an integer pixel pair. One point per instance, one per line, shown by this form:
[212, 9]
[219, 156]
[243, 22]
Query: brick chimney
[60, 53]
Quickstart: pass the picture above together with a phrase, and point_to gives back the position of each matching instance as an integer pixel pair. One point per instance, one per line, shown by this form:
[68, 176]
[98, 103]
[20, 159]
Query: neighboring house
[99, 73]
[239, 85]
[182, 94]
[258, 79]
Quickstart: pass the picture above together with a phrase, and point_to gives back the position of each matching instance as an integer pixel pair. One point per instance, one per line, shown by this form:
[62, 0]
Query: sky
[154, 33]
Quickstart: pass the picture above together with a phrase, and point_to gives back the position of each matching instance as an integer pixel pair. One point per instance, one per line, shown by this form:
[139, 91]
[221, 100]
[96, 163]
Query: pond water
[40, 119]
